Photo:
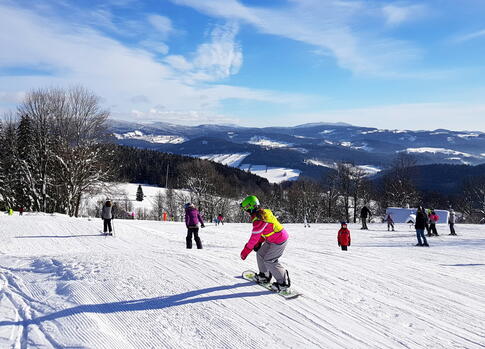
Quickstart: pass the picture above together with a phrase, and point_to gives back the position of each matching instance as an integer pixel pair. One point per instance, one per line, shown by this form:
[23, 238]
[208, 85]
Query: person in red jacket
[343, 236]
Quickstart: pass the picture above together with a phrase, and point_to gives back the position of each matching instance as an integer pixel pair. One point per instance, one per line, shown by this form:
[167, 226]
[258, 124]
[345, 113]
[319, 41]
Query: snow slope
[272, 174]
[233, 160]
[64, 286]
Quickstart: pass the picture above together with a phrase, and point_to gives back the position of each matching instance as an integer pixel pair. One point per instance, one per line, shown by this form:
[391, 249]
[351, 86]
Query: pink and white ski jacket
[266, 228]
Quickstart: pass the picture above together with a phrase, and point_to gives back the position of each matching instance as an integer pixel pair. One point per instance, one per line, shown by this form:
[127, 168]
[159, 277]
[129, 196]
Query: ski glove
[202, 226]
[244, 253]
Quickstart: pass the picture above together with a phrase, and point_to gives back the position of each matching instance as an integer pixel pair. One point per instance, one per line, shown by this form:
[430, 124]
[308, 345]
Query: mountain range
[310, 150]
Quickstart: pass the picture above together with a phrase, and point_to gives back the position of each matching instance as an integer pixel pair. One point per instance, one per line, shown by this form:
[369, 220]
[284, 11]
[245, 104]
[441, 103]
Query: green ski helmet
[250, 203]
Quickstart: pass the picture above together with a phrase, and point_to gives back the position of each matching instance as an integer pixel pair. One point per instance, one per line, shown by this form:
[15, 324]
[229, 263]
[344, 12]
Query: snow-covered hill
[64, 286]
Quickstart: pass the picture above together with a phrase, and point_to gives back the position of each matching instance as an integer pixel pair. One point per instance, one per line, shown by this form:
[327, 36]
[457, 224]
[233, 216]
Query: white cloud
[178, 62]
[217, 59]
[155, 46]
[470, 36]
[80, 55]
[161, 23]
[222, 56]
[326, 25]
[189, 117]
[395, 14]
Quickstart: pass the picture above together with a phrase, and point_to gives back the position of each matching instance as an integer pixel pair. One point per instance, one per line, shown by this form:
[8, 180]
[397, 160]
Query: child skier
[433, 219]
[193, 221]
[220, 219]
[343, 236]
[269, 240]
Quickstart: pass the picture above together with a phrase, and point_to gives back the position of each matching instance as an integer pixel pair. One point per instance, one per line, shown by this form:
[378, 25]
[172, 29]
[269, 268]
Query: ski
[287, 294]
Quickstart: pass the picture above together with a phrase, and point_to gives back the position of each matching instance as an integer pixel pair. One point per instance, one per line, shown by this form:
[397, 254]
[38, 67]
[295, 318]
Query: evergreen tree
[139, 194]
[27, 186]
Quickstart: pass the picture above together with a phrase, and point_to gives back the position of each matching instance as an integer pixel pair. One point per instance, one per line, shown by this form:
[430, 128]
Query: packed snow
[272, 174]
[65, 286]
[162, 139]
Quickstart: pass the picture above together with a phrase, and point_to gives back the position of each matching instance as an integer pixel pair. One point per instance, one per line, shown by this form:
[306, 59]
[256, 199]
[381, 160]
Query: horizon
[323, 123]
[402, 65]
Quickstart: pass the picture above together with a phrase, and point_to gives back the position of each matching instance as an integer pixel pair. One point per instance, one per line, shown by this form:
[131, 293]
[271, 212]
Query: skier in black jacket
[363, 216]
[420, 225]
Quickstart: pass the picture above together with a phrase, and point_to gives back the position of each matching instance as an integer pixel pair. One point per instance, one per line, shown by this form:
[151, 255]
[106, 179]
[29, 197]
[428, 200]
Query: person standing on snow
[269, 240]
[419, 226]
[220, 219]
[433, 219]
[390, 222]
[363, 216]
[193, 221]
[343, 236]
[107, 216]
[451, 222]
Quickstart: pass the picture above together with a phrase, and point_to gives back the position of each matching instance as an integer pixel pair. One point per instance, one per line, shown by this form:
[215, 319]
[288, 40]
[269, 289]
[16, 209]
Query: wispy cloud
[119, 73]
[398, 14]
[327, 26]
[162, 24]
[469, 36]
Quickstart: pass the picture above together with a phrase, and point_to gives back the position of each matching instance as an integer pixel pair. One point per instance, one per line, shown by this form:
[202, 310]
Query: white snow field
[62, 285]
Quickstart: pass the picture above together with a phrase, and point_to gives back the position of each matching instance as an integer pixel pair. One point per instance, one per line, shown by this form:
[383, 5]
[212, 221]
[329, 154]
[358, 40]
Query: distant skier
[427, 213]
[107, 216]
[10, 212]
[433, 219]
[419, 226]
[21, 211]
[364, 213]
[193, 221]
[343, 236]
[451, 222]
[220, 219]
[305, 223]
[269, 240]
[390, 222]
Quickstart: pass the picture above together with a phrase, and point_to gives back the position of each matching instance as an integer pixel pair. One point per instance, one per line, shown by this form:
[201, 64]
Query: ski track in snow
[62, 285]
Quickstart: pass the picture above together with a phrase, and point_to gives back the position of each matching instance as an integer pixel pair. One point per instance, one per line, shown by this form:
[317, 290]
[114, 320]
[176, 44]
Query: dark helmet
[188, 205]
[343, 223]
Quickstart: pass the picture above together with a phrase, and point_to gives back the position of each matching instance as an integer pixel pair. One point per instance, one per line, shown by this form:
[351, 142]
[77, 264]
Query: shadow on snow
[143, 304]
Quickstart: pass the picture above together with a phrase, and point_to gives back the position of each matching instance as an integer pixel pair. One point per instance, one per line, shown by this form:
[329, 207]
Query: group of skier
[269, 238]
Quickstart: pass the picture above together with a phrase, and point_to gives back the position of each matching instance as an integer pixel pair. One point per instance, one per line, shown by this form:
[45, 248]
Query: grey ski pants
[267, 257]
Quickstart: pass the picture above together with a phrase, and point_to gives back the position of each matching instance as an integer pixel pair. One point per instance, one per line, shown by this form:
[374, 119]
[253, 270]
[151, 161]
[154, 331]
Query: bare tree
[67, 128]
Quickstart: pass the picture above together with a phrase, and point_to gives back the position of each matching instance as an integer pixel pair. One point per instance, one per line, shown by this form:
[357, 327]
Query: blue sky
[386, 64]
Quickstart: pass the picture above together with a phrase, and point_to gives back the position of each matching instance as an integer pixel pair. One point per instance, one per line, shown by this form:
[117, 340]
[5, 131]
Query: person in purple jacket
[193, 221]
